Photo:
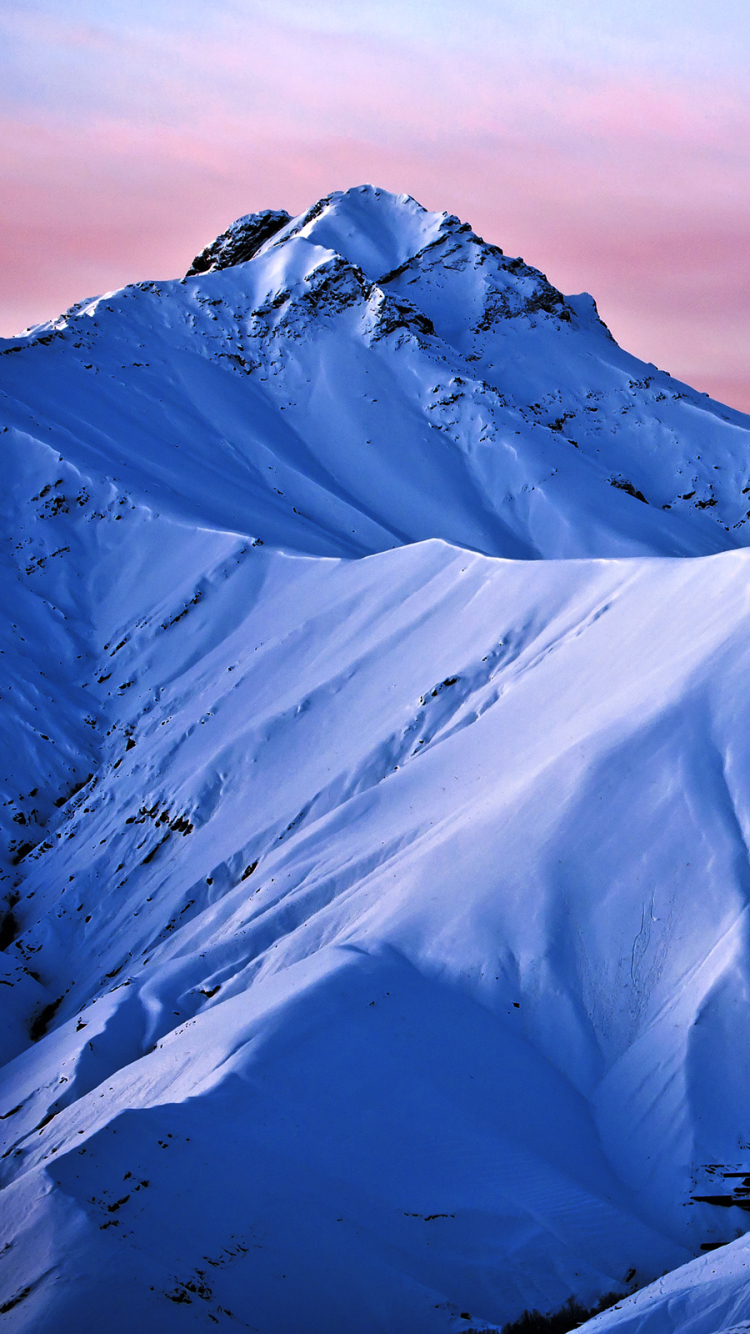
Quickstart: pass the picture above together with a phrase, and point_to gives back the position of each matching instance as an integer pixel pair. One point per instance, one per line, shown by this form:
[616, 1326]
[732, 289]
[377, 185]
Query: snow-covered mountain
[376, 801]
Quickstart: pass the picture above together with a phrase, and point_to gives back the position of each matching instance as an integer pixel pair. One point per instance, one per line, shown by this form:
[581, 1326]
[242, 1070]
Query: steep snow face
[376, 948]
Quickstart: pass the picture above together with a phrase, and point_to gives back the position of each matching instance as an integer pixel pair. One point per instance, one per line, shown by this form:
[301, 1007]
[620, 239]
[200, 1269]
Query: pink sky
[614, 162]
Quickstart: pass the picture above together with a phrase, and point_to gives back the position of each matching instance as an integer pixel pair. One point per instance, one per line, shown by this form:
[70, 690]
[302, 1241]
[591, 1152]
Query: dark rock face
[239, 242]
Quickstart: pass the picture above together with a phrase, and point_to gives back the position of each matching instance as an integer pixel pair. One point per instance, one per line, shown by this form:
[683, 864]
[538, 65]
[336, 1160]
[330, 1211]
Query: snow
[376, 801]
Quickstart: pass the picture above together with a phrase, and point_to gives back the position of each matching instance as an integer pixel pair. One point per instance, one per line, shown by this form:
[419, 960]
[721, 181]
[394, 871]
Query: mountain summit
[376, 801]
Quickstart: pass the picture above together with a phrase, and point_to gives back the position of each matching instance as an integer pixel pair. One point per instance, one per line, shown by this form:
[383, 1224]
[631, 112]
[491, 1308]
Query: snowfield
[375, 802]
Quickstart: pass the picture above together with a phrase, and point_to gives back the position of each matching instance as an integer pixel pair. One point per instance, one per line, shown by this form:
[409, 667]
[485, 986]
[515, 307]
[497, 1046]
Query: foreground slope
[377, 953]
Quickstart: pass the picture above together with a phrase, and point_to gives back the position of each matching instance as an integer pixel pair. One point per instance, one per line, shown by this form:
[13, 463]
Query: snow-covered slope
[376, 953]
[709, 1295]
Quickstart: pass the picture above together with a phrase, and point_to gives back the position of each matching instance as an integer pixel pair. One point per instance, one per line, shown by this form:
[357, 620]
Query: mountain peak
[372, 227]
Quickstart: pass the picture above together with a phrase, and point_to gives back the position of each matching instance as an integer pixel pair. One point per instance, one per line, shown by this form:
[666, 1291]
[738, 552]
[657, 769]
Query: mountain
[375, 955]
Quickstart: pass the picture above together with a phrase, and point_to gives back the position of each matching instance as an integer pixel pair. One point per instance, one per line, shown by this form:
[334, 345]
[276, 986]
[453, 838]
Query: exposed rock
[239, 242]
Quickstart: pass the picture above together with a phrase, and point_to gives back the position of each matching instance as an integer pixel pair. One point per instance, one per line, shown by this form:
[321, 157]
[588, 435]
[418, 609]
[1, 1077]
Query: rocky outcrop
[239, 242]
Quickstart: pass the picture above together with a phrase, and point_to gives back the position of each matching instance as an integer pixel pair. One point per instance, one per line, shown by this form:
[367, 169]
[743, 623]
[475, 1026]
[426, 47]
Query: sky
[605, 141]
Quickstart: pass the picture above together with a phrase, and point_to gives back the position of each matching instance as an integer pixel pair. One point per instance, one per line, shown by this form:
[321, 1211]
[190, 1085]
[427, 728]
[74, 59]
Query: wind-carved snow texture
[376, 800]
